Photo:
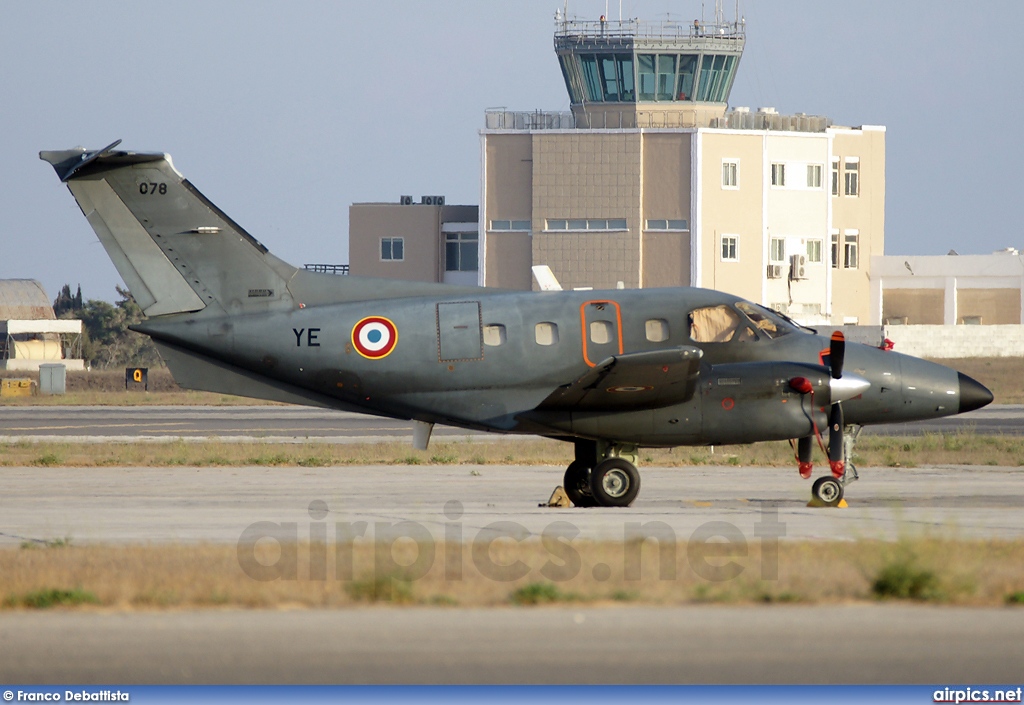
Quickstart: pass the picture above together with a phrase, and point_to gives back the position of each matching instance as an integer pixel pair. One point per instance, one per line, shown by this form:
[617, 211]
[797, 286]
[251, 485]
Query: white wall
[958, 341]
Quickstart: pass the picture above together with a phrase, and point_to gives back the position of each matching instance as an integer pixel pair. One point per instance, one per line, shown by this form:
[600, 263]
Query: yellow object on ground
[21, 387]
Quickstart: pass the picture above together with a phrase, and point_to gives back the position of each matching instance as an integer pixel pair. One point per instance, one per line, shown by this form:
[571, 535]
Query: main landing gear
[602, 475]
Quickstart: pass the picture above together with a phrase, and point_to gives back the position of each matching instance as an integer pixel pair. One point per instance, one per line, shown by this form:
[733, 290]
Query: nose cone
[973, 394]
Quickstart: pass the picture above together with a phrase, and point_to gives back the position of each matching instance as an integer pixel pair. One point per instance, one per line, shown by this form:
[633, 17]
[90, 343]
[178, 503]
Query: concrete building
[30, 335]
[428, 241]
[651, 181]
[948, 290]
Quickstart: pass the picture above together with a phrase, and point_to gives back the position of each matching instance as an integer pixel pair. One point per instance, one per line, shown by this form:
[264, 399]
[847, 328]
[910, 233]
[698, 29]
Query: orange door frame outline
[584, 328]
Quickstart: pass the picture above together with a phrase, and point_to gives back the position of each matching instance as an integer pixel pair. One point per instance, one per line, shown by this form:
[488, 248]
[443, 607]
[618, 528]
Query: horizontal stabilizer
[645, 380]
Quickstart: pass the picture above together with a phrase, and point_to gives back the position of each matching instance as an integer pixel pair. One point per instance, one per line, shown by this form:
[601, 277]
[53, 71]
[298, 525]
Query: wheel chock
[558, 499]
[818, 504]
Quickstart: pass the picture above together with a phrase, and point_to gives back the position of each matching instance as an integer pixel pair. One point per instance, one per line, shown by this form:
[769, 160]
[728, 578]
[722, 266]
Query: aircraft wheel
[577, 484]
[828, 490]
[614, 483]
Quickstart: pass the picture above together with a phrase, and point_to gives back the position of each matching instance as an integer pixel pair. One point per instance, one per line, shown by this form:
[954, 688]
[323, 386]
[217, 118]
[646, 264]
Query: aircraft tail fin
[176, 251]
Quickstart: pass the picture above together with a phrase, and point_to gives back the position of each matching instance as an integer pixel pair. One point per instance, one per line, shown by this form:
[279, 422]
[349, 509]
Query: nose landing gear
[828, 491]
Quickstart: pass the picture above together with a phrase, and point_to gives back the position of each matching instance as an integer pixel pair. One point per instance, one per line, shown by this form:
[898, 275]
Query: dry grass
[126, 577]
[963, 448]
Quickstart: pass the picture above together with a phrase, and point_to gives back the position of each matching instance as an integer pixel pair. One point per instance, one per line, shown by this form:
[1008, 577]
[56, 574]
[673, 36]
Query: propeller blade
[835, 433]
[836, 354]
[804, 446]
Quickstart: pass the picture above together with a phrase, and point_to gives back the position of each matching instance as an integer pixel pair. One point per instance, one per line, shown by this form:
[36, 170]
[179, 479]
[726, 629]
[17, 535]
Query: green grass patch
[52, 597]
[1015, 598]
[47, 460]
[382, 588]
[541, 594]
[903, 579]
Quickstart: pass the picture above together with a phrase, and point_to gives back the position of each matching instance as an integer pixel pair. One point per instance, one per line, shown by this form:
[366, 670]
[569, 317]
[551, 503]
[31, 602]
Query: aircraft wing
[644, 380]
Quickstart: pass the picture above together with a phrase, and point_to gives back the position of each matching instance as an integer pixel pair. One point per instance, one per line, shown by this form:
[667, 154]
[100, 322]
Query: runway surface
[298, 424]
[777, 644]
[127, 505]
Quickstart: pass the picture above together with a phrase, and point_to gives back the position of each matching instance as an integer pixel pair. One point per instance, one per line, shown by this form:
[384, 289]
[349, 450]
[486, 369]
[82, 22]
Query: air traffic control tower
[651, 179]
[641, 74]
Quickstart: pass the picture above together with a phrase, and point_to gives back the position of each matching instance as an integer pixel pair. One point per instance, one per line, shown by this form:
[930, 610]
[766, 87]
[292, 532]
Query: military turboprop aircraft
[609, 371]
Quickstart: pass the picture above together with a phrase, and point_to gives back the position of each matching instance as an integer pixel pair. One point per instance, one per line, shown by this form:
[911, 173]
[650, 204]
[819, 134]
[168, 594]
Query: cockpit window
[718, 324]
[767, 322]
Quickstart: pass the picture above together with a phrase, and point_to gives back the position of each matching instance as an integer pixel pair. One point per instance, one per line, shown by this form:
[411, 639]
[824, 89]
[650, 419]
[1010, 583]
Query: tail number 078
[152, 188]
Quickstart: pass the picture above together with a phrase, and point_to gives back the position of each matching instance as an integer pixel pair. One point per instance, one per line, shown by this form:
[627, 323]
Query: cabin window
[601, 332]
[767, 322]
[494, 334]
[546, 333]
[656, 330]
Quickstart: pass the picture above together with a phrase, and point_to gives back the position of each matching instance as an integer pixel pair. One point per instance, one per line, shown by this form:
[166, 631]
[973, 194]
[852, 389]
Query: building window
[850, 251]
[460, 252]
[778, 250]
[656, 330]
[835, 250]
[494, 334]
[835, 177]
[814, 176]
[668, 225]
[392, 249]
[581, 224]
[730, 174]
[506, 225]
[546, 333]
[852, 174]
[814, 251]
[778, 174]
[730, 248]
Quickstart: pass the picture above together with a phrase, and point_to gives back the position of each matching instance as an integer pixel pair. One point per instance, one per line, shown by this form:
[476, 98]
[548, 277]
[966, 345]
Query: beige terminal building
[652, 181]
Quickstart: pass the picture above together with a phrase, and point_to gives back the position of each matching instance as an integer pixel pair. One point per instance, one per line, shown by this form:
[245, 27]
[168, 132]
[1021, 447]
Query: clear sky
[284, 113]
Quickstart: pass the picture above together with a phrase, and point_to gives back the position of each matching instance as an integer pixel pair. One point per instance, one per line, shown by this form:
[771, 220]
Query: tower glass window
[645, 76]
[460, 252]
[591, 78]
[666, 76]
[687, 71]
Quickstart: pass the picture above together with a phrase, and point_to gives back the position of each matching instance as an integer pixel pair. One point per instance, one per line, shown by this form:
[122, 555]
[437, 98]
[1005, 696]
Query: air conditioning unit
[798, 267]
[405, 200]
[432, 200]
[775, 271]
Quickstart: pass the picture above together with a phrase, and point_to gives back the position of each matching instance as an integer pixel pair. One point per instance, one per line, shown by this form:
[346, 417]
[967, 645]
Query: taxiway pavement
[217, 504]
[640, 645]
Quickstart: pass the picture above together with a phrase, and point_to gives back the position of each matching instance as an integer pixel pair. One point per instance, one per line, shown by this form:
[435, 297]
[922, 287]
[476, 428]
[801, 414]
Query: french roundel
[374, 337]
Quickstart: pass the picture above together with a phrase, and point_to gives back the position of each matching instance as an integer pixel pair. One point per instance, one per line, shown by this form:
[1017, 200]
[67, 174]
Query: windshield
[770, 323]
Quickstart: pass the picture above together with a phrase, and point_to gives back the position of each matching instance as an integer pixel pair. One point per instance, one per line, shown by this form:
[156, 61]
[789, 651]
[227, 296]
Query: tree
[107, 342]
[66, 303]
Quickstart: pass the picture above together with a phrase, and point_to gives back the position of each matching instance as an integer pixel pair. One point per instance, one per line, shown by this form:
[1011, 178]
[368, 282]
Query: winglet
[67, 162]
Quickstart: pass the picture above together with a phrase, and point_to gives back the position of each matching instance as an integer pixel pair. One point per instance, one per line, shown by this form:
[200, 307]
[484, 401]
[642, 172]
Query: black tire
[614, 483]
[827, 490]
[577, 484]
